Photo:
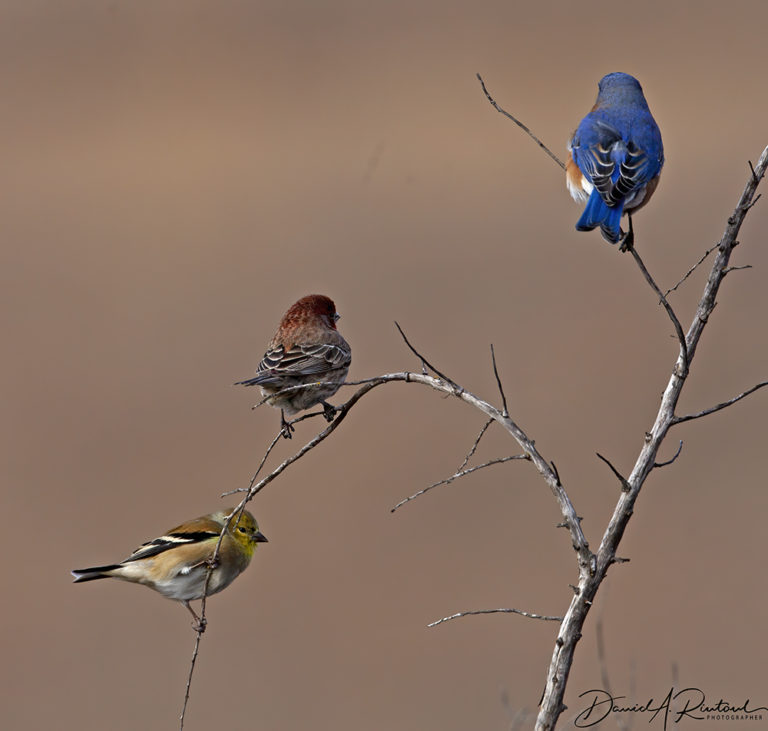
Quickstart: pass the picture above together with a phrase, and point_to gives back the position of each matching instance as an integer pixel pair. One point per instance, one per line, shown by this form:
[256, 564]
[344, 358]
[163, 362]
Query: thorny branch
[475, 445]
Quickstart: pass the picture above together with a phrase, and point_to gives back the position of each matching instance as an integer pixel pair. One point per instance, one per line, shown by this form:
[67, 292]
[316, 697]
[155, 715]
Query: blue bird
[615, 160]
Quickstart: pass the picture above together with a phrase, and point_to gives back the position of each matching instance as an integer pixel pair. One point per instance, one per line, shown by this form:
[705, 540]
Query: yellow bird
[176, 564]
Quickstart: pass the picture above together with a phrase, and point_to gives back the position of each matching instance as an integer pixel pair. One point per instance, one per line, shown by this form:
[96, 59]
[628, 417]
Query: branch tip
[718, 407]
[669, 461]
[625, 486]
[519, 124]
[505, 413]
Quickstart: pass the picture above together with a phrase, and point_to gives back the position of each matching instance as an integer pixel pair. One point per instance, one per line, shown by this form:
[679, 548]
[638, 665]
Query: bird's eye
[241, 529]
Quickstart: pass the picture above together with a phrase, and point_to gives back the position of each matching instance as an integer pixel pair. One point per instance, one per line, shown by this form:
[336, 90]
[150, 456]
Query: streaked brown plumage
[306, 349]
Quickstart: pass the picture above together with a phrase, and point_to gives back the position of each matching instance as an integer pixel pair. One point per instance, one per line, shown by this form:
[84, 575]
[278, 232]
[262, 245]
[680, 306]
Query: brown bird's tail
[97, 572]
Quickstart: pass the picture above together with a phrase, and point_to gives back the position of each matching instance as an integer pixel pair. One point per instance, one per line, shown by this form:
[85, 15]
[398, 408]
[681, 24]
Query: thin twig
[520, 124]
[754, 202]
[189, 677]
[423, 360]
[472, 451]
[531, 615]
[498, 382]
[619, 476]
[455, 476]
[263, 460]
[712, 409]
[670, 461]
[667, 307]
[692, 269]
[728, 270]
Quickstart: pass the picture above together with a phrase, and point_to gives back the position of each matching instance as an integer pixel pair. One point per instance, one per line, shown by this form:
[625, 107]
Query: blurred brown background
[176, 174]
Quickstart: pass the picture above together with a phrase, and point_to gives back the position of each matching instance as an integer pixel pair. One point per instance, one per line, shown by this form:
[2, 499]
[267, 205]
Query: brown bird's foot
[329, 411]
[198, 623]
[627, 242]
[286, 429]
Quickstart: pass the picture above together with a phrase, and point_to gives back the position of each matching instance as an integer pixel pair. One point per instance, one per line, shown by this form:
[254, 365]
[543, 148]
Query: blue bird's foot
[627, 241]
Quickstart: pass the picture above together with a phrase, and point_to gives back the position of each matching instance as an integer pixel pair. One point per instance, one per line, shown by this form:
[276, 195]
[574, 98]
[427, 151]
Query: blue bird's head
[618, 81]
[619, 88]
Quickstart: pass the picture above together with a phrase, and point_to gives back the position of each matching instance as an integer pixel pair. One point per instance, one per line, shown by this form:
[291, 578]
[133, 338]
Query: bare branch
[672, 316]
[531, 615]
[498, 382]
[692, 269]
[670, 461]
[713, 409]
[520, 124]
[571, 628]
[619, 476]
[728, 270]
[455, 476]
[475, 445]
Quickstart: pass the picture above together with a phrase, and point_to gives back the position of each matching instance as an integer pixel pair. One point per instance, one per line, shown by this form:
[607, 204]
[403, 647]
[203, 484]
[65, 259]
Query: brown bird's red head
[309, 309]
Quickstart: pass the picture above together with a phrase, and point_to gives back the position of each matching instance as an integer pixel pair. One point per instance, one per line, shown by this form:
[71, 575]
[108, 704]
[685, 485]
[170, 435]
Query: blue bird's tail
[597, 213]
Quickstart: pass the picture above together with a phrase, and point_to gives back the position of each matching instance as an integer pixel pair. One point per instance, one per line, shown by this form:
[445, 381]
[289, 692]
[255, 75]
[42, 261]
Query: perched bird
[306, 349]
[176, 564]
[615, 158]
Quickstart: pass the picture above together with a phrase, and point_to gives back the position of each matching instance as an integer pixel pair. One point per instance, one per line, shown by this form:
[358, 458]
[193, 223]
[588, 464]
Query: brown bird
[307, 350]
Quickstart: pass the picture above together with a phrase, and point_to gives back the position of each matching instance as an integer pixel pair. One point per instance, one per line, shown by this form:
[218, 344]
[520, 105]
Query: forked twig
[472, 451]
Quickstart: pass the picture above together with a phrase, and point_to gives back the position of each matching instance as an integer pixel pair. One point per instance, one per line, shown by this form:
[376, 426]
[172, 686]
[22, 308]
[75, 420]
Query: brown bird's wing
[181, 535]
[302, 360]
